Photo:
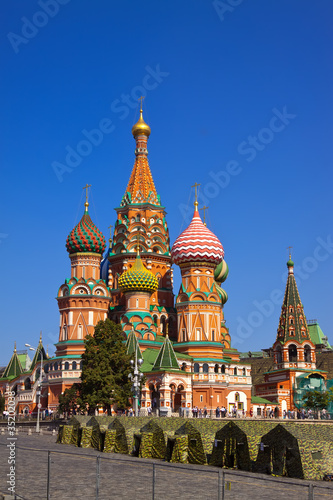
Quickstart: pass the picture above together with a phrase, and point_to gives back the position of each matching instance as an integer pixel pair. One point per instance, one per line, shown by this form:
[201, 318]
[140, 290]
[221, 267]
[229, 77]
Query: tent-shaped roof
[132, 345]
[166, 358]
[14, 367]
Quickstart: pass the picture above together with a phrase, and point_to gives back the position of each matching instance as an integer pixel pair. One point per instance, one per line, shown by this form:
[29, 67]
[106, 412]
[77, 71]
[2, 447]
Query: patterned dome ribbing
[138, 278]
[197, 244]
[221, 272]
[85, 237]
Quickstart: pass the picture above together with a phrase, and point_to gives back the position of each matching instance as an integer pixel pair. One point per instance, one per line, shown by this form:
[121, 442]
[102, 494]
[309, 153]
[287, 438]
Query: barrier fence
[49, 474]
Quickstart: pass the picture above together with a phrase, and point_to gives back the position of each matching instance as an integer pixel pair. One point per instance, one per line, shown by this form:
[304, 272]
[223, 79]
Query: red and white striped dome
[197, 244]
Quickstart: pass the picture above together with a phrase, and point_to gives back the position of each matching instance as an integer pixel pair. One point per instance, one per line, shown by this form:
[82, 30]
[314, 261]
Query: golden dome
[141, 127]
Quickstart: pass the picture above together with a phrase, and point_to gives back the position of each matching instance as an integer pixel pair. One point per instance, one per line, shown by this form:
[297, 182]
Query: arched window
[74, 365]
[205, 368]
[55, 366]
[223, 369]
[292, 350]
[237, 396]
[81, 363]
[216, 368]
[196, 368]
[155, 319]
[244, 372]
[66, 366]
[235, 371]
[307, 353]
[46, 368]
[183, 367]
[163, 321]
[27, 384]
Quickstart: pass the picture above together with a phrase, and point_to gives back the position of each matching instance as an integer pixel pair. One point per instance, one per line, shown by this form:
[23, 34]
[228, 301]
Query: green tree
[68, 401]
[105, 369]
[317, 400]
[2, 405]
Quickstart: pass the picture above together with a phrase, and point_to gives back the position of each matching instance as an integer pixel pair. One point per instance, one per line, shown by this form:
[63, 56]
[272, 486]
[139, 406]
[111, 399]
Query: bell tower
[293, 347]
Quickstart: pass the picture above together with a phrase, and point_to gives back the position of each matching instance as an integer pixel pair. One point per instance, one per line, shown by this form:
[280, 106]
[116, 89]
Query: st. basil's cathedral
[183, 341]
[187, 353]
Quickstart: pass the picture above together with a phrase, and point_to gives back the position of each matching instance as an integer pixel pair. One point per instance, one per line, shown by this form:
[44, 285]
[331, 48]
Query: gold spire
[289, 248]
[196, 185]
[86, 187]
[15, 346]
[40, 337]
[141, 127]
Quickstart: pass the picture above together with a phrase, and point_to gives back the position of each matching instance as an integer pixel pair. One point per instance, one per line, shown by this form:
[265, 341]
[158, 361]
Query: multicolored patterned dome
[221, 272]
[197, 244]
[85, 236]
[223, 294]
[138, 278]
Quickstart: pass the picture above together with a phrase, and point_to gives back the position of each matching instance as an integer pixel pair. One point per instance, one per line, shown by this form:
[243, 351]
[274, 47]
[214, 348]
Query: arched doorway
[154, 396]
[178, 397]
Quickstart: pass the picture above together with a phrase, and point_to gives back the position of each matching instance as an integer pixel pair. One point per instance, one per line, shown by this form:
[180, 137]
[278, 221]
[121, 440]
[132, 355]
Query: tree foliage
[69, 399]
[105, 369]
[317, 400]
[2, 405]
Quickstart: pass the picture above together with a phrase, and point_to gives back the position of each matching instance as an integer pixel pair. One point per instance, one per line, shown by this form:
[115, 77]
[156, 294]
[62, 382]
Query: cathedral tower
[141, 217]
[83, 299]
[293, 347]
[199, 304]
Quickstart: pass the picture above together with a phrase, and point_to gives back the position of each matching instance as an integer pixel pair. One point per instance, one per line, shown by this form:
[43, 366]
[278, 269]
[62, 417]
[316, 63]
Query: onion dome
[141, 127]
[85, 237]
[197, 244]
[138, 278]
[290, 263]
[223, 294]
[221, 272]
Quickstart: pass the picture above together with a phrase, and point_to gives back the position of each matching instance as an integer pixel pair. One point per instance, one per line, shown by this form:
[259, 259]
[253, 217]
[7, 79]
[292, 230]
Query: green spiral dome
[138, 278]
[223, 294]
[221, 272]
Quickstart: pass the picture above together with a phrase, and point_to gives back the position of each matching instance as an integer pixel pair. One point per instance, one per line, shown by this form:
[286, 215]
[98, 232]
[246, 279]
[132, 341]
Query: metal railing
[61, 474]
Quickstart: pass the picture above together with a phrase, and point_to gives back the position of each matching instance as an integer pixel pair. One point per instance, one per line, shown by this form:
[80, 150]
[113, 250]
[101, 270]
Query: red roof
[197, 244]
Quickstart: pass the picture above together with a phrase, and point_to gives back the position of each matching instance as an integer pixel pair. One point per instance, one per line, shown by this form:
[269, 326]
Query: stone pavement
[73, 474]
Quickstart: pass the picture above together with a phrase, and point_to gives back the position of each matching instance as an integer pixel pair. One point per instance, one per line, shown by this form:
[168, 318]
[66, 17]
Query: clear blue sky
[239, 99]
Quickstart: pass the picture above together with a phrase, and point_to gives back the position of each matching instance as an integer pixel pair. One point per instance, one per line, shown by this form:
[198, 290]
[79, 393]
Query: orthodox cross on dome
[204, 214]
[289, 248]
[86, 187]
[196, 185]
[141, 99]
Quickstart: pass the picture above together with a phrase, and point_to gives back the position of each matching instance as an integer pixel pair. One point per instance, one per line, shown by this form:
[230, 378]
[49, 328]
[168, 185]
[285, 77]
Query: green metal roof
[257, 400]
[317, 336]
[132, 345]
[14, 367]
[166, 358]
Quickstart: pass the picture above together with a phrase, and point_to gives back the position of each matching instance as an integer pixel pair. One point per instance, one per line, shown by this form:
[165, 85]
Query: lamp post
[39, 388]
[136, 378]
